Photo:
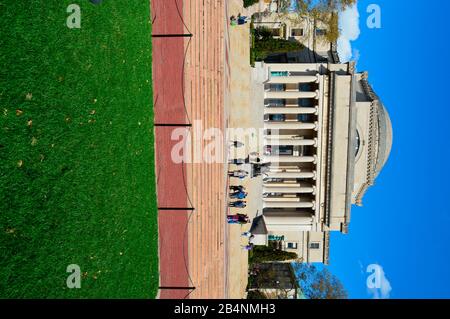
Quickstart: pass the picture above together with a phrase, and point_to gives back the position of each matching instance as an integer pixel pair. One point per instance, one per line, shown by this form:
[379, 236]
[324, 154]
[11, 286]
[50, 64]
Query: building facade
[308, 31]
[326, 138]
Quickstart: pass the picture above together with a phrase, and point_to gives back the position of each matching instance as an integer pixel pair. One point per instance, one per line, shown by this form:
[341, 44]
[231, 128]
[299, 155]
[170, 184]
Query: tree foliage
[265, 44]
[319, 283]
[325, 11]
[256, 294]
[264, 254]
[248, 3]
[325, 5]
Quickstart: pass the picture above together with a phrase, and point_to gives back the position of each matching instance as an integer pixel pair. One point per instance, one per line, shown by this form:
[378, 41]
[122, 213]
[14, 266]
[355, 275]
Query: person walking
[237, 161]
[237, 144]
[238, 219]
[238, 174]
[248, 247]
[242, 19]
[238, 204]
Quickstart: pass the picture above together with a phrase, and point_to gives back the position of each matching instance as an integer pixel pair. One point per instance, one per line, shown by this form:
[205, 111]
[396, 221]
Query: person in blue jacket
[238, 195]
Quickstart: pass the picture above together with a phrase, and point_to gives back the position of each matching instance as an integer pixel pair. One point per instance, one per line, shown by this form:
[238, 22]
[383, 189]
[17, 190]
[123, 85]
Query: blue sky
[404, 225]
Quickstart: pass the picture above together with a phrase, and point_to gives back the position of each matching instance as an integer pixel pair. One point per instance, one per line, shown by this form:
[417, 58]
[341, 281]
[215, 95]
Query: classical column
[290, 141]
[290, 126]
[302, 175]
[294, 79]
[289, 190]
[282, 199]
[292, 95]
[268, 204]
[288, 159]
[282, 184]
[290, 110]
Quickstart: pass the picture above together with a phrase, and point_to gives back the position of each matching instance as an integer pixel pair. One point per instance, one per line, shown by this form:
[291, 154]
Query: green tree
[326, 11]
[265, 44]
[319, 283]
[248, 3]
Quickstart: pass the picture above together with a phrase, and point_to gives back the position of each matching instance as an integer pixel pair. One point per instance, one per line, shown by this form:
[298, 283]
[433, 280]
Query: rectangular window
[277, 87]
[275, 102]
[275, 32]
[305, 102]
[297, 32]
[305, 87]
[314, 245]
[284, 150]
[277, 117]
[321, 32]
[292, 245]
[305, 118]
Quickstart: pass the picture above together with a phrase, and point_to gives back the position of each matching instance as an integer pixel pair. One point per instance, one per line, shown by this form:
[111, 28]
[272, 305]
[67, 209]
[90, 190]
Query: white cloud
[356, 55]
[383, 291]
[349, 27]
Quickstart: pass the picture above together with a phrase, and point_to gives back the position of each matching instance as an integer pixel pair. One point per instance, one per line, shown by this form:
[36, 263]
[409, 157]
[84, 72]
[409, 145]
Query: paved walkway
[205, 72]
[203, 81]
[171, 186]
[240, 117]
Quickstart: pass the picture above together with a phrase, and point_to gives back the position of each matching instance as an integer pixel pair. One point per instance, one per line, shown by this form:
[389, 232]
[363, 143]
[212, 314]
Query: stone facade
[326, 138]
[304, 29]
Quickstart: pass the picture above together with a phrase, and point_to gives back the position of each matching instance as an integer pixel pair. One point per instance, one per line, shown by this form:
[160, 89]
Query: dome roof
[385, 138]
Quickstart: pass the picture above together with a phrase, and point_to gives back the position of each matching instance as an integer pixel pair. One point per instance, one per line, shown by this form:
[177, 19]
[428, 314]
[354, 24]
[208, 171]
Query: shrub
[248, 3]
[256, 294]
[265, 44]
[265, 254]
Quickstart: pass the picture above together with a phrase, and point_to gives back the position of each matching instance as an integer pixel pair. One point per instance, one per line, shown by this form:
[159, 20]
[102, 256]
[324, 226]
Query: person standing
[238, 188]
[237, 144]
[238, 195]
[237, 161]
[238, 174]
[238, 204]
[238, 219]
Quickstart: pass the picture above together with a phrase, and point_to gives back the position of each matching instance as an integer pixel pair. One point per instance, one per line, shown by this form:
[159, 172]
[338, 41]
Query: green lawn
[77, 179]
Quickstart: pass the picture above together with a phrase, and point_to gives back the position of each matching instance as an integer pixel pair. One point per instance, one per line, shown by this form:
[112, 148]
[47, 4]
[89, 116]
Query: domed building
[373, 138]
[327, 136]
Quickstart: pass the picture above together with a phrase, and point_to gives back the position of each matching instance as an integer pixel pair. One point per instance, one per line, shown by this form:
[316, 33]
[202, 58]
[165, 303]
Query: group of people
[250, 237]
[241, 174]
[239, 20]
[238, 194]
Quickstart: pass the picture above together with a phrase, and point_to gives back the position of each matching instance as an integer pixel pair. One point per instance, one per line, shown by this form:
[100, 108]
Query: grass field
[76, 150]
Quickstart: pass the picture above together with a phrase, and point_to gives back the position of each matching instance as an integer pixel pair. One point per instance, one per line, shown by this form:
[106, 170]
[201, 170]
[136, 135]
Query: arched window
[357, 143]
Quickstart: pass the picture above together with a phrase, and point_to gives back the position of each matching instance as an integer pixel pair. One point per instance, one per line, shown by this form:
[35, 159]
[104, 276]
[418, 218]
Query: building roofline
[326, 248]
